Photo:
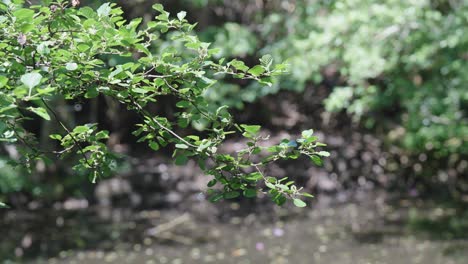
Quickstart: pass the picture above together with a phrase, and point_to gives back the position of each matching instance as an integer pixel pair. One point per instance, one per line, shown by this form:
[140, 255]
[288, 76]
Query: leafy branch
[65, 57]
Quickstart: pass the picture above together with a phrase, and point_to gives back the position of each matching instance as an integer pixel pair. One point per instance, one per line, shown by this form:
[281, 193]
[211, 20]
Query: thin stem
[69, 133]
[189, 100]
[146, 114]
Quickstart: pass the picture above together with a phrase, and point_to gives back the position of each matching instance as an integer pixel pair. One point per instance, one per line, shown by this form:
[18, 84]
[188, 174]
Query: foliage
[398, 57]
[10, 179]
[56, 51]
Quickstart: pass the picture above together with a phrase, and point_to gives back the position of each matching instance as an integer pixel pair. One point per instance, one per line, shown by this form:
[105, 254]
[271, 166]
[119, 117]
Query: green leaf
[271, 179]
[181, 15]
[231, 195]
[154, 146]
[92, 92]
[307, 195]
[102, 135]
[266, 60]
[163, 17]
[43, 48]
[2, 205]
[307, 133]
[87, 12]
[31, 80]
[311, 139]
[193, 45]
[212, 183]
[266, 81]
[158, 7]
[299, 203]
[254, 176]
[249, 193]
[269, 185]
[181, 146]
[71, 66]
[253, 129]
[23, 14]
[216, 197]
[56, 136]
[239, 65]
[323, 153]
[257, 71]
[139, 90]
[3, 81]
[277, 197]
[81, 129]
[40, 112]
[183, 122]
[316, 160]
[104, 10]
[183, 104]
[181, 160]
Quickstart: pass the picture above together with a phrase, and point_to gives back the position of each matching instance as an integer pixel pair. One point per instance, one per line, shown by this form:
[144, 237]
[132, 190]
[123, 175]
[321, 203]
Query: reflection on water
[359, 232]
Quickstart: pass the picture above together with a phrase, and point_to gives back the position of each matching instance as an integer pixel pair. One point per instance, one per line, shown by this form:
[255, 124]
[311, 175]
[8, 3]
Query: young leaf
[71, 66]
[299, 203]
[56, 136]
[307, 133]
[181, 15]
[323, 153]
[181, 146]
[269, 185]
[154, 146]
[31, 80]
[249, 193]
[183, 104]
[216, 197]
[316, 160]
[254, 176]
[212, 183]
[181, 160]
[91, 92]
[40, 112]
[251, 129]
[104, 10]
[239, 65]
[266, 61]
[257, 71]
[231, 195]
[81, 129]
[158, 7]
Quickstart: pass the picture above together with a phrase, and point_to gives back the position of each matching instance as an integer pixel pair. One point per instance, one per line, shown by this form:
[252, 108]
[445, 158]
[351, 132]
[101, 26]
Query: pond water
[352, 232]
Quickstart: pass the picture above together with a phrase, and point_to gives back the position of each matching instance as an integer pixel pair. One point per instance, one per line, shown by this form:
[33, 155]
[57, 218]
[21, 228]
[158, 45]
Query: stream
[369, 230]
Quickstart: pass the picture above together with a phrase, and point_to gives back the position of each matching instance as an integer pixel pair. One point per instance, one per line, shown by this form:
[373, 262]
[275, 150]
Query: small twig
[189, 100]
[69, 133]
[157, 76]
[145, 114]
